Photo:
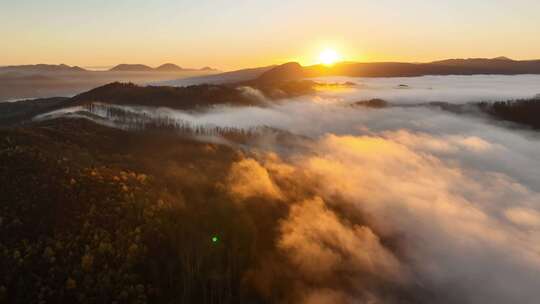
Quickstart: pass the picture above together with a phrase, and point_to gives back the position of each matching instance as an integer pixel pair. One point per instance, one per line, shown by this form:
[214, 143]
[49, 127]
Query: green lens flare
[215, 239]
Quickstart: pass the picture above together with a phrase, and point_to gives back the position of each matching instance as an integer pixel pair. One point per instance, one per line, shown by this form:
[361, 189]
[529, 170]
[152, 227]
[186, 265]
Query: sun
[329, 57]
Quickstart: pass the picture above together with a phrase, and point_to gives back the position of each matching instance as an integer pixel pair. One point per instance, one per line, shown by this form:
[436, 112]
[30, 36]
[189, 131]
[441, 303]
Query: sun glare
[329, 57]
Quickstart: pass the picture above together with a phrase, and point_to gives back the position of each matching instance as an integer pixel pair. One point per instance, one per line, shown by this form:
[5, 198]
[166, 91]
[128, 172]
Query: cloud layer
[393, 205]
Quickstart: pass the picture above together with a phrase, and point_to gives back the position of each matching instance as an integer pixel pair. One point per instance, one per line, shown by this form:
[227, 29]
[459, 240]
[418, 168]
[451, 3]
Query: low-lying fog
[23, 86]
[453, 89]
[460, 193]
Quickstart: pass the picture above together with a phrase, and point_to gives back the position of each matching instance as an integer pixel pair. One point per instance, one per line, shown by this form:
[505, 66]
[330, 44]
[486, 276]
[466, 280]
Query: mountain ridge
[294, 71]
[166, 67]
[123, 67]
[41, 67]
[472, 66]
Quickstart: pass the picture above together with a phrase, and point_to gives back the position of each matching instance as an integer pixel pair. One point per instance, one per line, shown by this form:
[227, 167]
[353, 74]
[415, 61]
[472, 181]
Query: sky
[234, 34]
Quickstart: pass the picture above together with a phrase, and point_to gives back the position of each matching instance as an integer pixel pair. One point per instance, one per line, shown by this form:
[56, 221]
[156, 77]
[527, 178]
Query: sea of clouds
[440, 205]
[452, 89]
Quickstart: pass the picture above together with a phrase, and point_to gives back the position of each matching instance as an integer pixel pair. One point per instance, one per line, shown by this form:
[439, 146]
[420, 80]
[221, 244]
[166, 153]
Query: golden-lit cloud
[325, 296]
[450, 216]
[249, 179]
[320, 244]
[525, 217]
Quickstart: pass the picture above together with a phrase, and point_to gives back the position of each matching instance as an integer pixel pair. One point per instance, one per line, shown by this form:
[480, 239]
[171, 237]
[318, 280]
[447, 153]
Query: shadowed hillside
[91, 214]
[178, 98]
[12, 113]
[196, 97]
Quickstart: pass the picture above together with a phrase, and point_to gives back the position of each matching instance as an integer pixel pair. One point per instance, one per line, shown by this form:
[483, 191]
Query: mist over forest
[322, 190]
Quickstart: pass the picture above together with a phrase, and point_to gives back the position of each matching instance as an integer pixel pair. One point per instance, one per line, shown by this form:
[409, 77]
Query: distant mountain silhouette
[222, 78]
[285, 72]
[294, 71]
[131, 68]
[52, 68]
[503, 58]
[474, 61]
[42, 81]
[41, 68]
[168, 67]
[496, 66]
[207, 68]
[475, 66]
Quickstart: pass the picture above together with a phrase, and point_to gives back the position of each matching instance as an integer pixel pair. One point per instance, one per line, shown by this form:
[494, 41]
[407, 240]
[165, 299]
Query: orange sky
[243, 33]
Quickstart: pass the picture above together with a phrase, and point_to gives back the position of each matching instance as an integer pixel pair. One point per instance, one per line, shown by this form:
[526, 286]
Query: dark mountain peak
[169, 67]
[207, 68]
[289, 65]
[131, 68]
[77, 69]
[503, 58]
[285, 72]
